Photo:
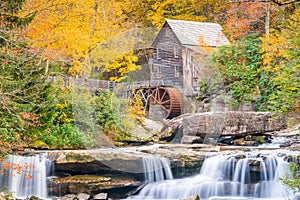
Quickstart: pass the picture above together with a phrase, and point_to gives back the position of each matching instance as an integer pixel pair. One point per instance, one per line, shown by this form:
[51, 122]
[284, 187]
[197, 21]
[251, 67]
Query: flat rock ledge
[119, 171]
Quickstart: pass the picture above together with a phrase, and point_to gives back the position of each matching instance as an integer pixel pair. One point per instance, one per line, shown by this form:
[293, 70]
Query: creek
[25, 176]
[234, 174]
[252, 175]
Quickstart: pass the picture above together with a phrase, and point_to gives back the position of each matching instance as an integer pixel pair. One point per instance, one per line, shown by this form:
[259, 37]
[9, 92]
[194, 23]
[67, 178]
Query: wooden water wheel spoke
[166, 109]
[166, 99]
[169, 99]
[164, 94]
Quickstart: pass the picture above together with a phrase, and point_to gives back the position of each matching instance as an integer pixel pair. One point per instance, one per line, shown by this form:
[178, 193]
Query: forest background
[55, 38]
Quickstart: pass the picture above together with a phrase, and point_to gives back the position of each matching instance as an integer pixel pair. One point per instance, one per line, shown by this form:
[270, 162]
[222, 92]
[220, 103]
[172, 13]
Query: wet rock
[240, 156]
[295, 146]
[94, 161]
[227, 198]
[69, 197]
[192, 139]
[38, 144]
[289, 132]
[168, 131]
[92, 184]
[255, 165]
[194, 197]
[100, 196]
[2, 195]
[83, 196]
[34, 198]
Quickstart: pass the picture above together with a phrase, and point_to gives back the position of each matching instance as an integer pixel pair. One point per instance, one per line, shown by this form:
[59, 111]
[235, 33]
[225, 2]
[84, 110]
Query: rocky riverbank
[118, 171]
[111, 171]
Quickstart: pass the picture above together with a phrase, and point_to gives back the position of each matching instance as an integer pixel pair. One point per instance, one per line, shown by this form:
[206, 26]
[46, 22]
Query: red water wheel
[169, 99]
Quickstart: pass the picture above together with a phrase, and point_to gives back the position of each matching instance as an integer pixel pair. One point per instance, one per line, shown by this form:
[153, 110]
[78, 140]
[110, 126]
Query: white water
[156, 169]
[25, 176]
[276, 142]
[253, 176]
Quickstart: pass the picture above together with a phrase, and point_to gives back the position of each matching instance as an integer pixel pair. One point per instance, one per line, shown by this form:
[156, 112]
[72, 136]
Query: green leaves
[67, 135]
[280, 70]
[292, 178]
[238, 64]
[10, 20]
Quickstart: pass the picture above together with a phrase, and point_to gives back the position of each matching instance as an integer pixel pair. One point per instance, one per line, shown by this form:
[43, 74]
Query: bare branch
[284, 3]
[258, 1]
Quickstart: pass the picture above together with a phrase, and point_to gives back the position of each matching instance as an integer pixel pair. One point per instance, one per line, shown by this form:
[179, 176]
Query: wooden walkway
[95, 85]
[123, 90]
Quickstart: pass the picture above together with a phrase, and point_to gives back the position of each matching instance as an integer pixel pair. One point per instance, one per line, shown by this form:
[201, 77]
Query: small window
[176, 52]
[176, 68]
[156, 69]
[158, 52]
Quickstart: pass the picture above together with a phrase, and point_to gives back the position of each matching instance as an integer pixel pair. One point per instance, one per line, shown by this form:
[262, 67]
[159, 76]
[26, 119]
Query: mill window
[176, 68]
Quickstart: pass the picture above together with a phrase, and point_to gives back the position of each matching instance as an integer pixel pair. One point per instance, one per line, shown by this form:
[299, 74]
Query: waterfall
[156, 169]
[25, 176]
[237, 176]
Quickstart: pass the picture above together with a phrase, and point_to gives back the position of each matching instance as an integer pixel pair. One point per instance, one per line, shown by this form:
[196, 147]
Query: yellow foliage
[136, 108]
[275, 47]
[68, 29]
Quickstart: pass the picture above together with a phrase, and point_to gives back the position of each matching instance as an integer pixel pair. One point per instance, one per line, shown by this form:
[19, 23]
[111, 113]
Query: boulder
[69, 197]
[195, 127]
[2, 195]
[83, 196]
[100, 196]
[194, 197]
[145, 129]
[34, 198]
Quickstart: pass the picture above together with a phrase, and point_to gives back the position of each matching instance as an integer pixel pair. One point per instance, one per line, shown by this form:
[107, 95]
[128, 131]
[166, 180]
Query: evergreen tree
[25, 100]
[10, 22]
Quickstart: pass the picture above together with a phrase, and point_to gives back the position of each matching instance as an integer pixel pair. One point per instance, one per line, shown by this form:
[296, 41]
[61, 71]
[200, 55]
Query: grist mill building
[178, 49]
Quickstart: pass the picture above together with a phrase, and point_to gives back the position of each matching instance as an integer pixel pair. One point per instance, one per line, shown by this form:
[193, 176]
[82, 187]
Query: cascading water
[25, 176]
[239, 176]
[156, 169]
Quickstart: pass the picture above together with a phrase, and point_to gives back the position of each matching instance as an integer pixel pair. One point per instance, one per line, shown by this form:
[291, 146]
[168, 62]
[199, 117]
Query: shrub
[67, 135]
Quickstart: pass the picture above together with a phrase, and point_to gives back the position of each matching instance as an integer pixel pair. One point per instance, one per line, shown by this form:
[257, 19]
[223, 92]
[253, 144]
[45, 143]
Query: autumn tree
[279, 81]
[153, 13]
[25, 103]
[69, 30]
[243, 17]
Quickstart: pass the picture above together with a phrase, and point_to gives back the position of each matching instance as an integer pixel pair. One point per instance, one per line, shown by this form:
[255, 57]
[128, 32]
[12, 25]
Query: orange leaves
[28, 176]
[25, 115]
[16, 169]
[6, 165]
[244, 18]
[30, 119]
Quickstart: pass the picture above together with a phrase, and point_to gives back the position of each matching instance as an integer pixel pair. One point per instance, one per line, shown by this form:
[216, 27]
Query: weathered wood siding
[190, 72]
[167, 55]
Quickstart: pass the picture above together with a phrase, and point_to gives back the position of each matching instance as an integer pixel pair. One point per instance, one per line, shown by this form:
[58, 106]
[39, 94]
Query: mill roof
[189, 33]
